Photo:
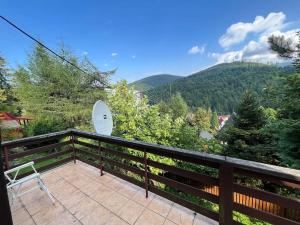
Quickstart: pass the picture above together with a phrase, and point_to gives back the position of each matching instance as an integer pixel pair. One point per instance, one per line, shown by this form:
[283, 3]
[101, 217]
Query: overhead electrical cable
[43, 45]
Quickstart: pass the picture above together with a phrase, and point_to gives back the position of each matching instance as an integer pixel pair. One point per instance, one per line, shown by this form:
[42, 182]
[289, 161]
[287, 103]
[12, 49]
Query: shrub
[44, 125]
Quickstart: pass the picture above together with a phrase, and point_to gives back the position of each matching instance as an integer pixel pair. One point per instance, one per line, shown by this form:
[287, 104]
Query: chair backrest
[13, 178]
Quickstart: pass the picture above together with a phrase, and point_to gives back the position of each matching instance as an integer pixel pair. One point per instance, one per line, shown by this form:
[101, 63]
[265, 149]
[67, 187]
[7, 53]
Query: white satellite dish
[102, 118]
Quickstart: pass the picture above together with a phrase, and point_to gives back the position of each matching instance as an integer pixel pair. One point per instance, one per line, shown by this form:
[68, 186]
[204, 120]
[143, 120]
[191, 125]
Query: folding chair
[14, 185]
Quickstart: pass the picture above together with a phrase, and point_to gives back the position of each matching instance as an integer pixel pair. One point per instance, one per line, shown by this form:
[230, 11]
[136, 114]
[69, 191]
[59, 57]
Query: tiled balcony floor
[82, 196]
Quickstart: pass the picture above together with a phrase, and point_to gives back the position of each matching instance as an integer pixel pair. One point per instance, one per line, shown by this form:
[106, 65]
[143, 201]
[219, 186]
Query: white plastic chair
[14, 185]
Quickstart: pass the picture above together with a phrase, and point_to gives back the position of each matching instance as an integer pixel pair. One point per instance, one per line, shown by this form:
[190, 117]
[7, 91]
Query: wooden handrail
[140, 165]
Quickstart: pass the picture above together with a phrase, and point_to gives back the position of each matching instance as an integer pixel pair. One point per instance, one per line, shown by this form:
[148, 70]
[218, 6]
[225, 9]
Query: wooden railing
[145, 165]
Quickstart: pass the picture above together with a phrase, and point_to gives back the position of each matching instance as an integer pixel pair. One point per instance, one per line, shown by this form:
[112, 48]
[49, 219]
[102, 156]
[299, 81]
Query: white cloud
[133, 56]
[85, 53]
[196, 50]
[114, 54]
[256, 51]
[238, 32]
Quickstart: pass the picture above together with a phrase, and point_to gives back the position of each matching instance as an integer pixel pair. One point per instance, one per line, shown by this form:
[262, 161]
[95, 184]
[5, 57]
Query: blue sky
[149, 37]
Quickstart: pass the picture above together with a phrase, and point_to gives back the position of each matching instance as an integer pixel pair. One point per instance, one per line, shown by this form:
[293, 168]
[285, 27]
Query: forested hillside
[221, 87]
[153, 81]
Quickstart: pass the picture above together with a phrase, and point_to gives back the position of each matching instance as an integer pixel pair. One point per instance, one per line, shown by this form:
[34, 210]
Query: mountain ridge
[220, 86]
[153, 81]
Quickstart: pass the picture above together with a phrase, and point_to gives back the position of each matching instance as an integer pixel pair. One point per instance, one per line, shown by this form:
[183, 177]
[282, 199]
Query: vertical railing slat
[146, 173]
[101, 158]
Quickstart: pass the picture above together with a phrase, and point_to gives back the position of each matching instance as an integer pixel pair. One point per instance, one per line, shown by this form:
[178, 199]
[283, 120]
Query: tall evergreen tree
[7, 98]
[178, 106]
[287, 128]
[244, 137]
[48, 86]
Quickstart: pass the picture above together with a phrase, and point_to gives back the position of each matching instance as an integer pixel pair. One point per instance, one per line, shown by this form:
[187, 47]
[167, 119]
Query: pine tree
[245, 138]
[287, 128]
[249, 114]
[7, 98]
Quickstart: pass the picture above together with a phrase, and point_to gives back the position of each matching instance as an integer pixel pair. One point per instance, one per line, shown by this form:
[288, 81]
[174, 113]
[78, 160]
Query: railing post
[5, 213]
[74, 149]
[101, 159]
[225, 194]
[146, 172]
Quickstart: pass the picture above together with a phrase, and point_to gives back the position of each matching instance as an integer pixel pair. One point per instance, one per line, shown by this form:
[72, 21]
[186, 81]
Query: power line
[40, 43]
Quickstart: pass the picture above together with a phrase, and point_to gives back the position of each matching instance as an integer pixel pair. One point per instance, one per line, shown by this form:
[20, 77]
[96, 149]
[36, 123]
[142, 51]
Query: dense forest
[221, 87]
[153, 81]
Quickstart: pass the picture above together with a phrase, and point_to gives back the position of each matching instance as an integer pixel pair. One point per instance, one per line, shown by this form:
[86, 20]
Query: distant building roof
[9, 121]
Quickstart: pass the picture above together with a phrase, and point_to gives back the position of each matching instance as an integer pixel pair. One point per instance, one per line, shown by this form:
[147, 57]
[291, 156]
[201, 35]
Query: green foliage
[2, 96]
[45, 125]
[49, 86]
[178, 106]
[249, 113]
[246, 138]
[221, 87]
[7, 99]
[203, 119]
[270, 115]
[287, 128]
[153, 81]
[135, 119]
[214, 122]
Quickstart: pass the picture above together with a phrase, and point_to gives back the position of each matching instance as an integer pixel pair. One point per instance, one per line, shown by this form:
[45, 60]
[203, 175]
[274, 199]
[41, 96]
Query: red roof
[9, 116]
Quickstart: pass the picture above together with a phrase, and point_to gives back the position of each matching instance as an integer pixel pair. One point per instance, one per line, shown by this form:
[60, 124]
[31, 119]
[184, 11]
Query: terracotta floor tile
[84, 197]
[160, 205]
[39, 205]
[168, 222]
[97, 216]
[128, 190]
[65, 219]
[131, 211]
[62, 189]
[102, 193]
[83, 208]
[28, 222]
[115, 202]
[15, 205]
[90, 188]
[149, 217]
[20, 215]
[140, 197]
[115, 184]
[114, 220]
[46, 216]
[203, 220]
[72, 199]
[50, 178]
[36, 201]
[181, 215]
[106, 178]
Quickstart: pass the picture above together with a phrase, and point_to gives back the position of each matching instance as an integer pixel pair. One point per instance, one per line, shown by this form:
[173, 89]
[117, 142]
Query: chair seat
[24, 179]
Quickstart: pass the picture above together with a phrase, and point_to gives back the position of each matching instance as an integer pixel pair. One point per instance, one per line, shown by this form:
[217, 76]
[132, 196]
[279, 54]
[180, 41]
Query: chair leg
[43, 187]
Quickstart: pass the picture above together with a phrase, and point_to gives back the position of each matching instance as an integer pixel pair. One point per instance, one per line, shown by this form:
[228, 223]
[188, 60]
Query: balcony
[99, 179]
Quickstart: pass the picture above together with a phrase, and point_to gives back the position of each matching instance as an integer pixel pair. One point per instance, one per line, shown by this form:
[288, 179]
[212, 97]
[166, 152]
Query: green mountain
[220, 87]
[153, 81]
